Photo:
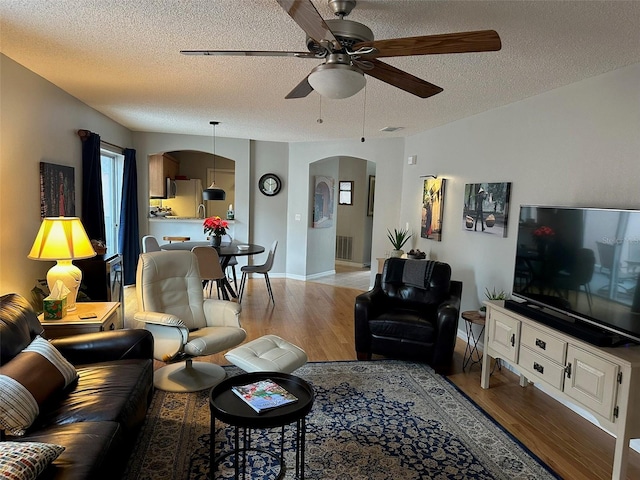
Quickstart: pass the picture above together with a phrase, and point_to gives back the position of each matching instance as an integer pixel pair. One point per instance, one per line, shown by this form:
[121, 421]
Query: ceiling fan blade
[461, 42]
[301, 90]
[307, 17]
[401, 79]
[250, 53]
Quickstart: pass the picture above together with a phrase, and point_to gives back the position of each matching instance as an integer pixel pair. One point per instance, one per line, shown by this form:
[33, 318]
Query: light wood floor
[319, 318]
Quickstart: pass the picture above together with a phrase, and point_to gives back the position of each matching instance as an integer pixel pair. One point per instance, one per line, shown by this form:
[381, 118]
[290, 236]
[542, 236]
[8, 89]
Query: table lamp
[63, 239]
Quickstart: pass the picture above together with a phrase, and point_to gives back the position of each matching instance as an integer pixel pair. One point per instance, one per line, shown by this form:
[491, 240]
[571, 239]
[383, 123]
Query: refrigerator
[188, 195]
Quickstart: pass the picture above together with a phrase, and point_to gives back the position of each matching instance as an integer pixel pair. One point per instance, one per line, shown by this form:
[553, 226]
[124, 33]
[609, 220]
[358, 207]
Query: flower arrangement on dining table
[215, 226]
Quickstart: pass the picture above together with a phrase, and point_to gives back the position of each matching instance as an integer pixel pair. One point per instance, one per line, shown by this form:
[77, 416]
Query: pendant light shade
[213, 192]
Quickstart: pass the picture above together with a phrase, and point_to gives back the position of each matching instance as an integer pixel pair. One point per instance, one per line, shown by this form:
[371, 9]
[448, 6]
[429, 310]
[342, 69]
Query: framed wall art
[323, 201]
[57, 190]
[432, 209]
[372, 193]
[486, 208]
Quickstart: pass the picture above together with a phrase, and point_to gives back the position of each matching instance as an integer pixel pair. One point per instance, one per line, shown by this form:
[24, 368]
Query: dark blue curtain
[92, 205]
[128, 237]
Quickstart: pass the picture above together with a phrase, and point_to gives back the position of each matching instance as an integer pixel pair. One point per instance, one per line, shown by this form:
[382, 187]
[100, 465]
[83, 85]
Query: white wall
[321, 242]
[578, 145]
[268, 215]
[387, 154]
[38, 123]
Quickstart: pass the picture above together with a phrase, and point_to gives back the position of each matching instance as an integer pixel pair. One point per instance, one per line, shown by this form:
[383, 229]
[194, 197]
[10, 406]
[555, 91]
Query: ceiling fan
[349, 51]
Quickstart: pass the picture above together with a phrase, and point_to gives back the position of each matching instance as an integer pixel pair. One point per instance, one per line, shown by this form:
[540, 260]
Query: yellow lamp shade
[61, 238]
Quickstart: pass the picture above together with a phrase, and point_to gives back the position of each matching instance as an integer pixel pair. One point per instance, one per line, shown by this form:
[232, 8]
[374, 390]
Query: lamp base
[70, 276]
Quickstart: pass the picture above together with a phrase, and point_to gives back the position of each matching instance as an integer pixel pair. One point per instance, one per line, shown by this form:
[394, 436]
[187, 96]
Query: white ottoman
[269, 353]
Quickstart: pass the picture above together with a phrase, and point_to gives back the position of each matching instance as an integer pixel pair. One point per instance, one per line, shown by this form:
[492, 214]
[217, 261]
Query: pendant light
[213, 192]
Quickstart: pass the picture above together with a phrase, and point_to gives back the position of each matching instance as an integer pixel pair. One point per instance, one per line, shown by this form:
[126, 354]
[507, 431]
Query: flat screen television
[578, 270]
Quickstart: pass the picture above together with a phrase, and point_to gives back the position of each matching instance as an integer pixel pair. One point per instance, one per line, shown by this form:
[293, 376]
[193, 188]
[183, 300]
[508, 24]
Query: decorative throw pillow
[28, 380]
[26, 460]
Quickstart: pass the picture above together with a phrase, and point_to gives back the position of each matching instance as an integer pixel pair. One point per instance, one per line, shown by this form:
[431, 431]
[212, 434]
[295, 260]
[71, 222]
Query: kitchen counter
[183, 219]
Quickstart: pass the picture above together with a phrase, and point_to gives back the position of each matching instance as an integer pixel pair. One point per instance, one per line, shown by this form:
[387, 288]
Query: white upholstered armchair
[184, 324]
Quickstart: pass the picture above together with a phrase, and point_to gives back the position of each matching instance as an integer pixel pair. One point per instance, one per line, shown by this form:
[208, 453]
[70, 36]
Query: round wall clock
[270, 184]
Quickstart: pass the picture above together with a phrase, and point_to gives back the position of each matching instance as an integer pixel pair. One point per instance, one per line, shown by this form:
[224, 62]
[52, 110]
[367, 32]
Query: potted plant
[398, 238]
[492, 295]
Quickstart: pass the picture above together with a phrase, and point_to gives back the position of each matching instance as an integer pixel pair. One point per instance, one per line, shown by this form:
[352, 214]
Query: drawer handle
[538, 368]
[112, 326]
[567, 370]
[513, 340]
[541, 343]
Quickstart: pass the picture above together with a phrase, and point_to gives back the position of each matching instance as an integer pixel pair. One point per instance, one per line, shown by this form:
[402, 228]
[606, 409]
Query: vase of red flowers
[215, 227]
[543, 236]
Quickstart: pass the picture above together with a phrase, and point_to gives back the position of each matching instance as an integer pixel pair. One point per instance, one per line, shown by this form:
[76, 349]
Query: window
[345, 193]
[112, 167]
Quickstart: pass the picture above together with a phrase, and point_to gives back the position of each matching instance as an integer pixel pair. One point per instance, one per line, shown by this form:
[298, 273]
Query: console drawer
[544, 344]
[542, 368]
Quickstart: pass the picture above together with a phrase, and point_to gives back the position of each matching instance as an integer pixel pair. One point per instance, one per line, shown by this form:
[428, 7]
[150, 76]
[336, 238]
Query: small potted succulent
[492, 295]
[398, 238]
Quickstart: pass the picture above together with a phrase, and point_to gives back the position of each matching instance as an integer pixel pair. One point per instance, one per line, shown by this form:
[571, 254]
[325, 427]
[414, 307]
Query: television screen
[583, 263]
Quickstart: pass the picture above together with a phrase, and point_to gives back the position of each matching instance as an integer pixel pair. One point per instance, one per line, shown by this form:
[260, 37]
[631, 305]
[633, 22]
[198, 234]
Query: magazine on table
[264, 395]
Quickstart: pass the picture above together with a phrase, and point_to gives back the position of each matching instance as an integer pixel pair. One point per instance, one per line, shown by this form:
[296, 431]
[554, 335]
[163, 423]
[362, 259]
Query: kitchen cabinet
[605, 382]
[161, 167]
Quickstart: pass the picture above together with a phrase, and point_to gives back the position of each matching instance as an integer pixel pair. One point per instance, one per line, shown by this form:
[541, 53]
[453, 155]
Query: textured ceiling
[122, 58]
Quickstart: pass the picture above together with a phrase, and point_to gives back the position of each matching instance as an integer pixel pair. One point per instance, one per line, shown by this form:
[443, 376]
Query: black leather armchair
[411, 312]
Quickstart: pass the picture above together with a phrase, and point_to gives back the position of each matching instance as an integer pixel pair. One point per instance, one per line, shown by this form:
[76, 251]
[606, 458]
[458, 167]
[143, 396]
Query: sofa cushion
[27, 460]
[404, 325]
[93, 450]
[19, 325]
[29, 380]
[117, 391]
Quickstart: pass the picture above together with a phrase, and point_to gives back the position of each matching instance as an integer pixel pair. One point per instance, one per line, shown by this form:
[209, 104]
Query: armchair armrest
[159, 318]
[106, 346]
[368, 305]
[169, 332]
[447, 325]
[222, 313]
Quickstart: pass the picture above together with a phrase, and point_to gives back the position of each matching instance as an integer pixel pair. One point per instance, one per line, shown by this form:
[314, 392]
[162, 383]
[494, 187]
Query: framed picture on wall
[323, 201]
[57, 190]
[372, 192]
[432, 209]
[486, 208]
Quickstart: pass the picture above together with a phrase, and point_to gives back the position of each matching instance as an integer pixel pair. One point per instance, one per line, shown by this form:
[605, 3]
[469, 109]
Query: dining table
[226, 251]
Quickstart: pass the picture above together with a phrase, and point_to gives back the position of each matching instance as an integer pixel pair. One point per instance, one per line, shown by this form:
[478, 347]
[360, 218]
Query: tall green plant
[398, 238]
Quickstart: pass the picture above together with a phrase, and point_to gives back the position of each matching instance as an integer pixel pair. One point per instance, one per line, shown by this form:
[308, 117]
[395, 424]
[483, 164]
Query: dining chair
[209, 265]
[263, 269]
[150, 244]
[233, 261]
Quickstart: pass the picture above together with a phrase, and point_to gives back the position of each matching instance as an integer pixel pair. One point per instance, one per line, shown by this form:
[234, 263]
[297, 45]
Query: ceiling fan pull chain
[320, 116]
[364, 111]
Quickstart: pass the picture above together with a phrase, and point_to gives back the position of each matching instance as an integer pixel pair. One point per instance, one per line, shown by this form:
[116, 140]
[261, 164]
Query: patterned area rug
[374, 420]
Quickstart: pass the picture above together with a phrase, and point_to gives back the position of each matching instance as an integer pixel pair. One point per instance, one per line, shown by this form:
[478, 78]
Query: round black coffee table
[227, 407]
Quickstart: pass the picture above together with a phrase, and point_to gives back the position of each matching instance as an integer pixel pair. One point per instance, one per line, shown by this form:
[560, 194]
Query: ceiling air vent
[390, 129]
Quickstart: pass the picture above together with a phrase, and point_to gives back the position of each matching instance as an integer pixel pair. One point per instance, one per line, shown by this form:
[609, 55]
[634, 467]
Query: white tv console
[603, 381]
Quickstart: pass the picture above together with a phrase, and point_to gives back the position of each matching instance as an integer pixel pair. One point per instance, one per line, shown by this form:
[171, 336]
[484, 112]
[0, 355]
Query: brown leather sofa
[411, 312]
[97, 417]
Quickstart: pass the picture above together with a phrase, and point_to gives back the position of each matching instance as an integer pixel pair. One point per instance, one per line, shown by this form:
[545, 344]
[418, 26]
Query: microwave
[170, 189]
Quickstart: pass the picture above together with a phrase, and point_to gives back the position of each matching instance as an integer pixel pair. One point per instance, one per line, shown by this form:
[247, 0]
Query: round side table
[471, 354]
[230, 409]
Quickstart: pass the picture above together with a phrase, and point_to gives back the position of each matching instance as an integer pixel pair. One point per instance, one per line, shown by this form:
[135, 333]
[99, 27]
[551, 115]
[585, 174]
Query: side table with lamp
[63, 239]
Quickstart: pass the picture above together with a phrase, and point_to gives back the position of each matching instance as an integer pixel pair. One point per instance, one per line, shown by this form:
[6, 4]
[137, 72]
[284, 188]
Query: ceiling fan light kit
[336, 80]
[350, 51]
